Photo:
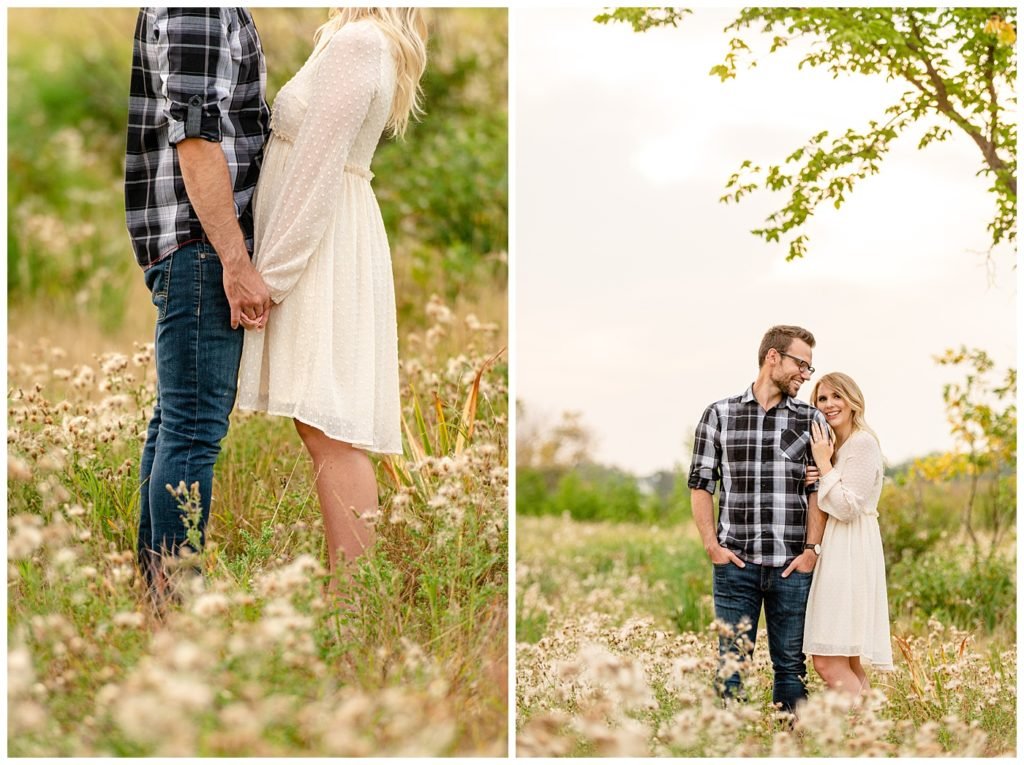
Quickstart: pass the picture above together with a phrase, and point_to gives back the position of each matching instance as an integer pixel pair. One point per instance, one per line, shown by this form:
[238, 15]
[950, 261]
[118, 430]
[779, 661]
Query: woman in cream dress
[328, 355]
[847, 619]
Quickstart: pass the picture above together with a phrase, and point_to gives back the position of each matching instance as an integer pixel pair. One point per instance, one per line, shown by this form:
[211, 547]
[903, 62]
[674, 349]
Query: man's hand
[720, 555]
[804, 563]
[247, 295]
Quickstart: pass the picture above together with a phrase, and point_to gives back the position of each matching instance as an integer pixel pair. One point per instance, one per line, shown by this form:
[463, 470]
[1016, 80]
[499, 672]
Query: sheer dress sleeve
[345, 81]
[846, 491]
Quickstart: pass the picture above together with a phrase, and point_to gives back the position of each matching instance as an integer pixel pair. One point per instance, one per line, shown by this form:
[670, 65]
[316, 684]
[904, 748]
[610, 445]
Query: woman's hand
[259, 323]
[821, 448]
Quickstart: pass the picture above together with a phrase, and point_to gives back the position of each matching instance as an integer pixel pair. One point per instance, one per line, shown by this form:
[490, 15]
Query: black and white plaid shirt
[196, 72]
[760, 458]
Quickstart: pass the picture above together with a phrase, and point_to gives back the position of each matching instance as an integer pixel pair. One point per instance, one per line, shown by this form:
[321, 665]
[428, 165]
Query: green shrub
[946, 584]
[914, 516]
[595, 493]
[531, 492]
[443, 191]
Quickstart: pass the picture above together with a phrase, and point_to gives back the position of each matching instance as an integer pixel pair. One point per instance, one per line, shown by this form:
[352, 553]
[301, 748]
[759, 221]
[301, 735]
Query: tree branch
[990, 86]
[945, 106]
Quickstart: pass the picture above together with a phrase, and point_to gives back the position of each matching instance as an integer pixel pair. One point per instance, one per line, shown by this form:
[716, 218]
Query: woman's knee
[314, 438]
[319, 443]
[827, 666]
[305, 431]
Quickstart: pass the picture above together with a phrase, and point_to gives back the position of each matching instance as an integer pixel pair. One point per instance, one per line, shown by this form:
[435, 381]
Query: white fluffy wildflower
[291, 578]
[64, 559]
[84, 377]
[437, 311]
[26, 536]
[21, 675]
[210, 604]
[129, 619]
[112, 363]
[18, 469]
[76, 511]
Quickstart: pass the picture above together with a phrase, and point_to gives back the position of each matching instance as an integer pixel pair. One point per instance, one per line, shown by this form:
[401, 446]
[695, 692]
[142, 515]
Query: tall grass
[608, 664]
[255, 661]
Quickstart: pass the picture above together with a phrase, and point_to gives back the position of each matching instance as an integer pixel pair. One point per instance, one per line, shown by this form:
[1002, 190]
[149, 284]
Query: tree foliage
[642, 19]
[960, 68]
[982, 415]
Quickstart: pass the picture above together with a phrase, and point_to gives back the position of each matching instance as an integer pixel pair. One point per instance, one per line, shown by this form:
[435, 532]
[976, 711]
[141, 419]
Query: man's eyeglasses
[804, 366]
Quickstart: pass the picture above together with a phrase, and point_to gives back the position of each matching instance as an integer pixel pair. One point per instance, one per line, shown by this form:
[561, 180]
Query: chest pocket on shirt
[794, 444]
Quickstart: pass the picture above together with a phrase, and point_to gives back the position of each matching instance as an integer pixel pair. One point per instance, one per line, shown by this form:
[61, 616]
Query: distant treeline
[591, 492]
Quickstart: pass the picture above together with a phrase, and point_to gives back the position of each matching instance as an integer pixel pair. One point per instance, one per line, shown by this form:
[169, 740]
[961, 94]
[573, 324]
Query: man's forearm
[815, 520]
[703, 506]
[204, 169]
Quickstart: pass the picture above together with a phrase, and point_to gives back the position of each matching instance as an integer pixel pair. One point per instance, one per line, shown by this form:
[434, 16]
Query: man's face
[788, 373]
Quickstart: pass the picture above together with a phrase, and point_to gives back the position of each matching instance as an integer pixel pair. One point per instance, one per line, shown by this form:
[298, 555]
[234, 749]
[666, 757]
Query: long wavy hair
[407, 30]
[849, 392]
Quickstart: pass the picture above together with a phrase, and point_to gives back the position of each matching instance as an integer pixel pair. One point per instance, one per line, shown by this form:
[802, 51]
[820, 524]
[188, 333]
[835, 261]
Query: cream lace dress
[329, 355]
[847, 608]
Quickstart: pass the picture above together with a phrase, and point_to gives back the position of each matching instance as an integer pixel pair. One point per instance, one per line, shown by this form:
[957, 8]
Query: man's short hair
[780, 337]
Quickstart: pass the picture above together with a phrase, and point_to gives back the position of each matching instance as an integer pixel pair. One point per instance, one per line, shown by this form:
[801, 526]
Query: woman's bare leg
[858, 670]
[347, 488]
[837, 673]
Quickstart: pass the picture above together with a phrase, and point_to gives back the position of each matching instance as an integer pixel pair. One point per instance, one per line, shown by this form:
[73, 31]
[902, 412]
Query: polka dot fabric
[329, 354]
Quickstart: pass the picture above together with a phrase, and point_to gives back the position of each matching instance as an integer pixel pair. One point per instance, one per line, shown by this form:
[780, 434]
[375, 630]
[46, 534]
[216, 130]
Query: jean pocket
[158, 280]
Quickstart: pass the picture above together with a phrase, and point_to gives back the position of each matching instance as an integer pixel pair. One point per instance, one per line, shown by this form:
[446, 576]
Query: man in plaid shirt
[765, 545]
[197, 123]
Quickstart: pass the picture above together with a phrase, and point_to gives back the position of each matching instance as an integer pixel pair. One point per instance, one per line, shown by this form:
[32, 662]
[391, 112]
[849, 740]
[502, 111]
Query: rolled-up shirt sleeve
[195, 53]
[706, 467]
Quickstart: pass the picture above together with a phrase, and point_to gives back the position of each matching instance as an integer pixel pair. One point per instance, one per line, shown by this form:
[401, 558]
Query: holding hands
[822, 447]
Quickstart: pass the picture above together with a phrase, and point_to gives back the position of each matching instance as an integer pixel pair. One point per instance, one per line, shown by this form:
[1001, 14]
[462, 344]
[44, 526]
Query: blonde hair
[849, 392]
[407, 30]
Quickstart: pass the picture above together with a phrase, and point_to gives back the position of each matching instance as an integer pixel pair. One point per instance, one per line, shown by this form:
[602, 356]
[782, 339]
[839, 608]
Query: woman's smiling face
[835, 408]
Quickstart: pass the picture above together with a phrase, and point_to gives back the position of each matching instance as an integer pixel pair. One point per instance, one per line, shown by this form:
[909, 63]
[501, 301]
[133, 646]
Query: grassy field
[254, 663]
[603, 667]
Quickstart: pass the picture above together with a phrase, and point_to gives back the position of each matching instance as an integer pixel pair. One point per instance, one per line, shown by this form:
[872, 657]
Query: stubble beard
[784, 384]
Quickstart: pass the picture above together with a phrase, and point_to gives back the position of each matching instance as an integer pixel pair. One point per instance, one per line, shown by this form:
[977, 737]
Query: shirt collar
[748, 397]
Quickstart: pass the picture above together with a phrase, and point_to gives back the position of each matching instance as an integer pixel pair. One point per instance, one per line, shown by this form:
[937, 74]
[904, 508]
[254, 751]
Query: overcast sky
[640, 298]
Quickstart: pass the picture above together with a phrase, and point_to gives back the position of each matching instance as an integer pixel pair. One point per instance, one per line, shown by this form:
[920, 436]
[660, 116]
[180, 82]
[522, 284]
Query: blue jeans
[740, 592]
[197, 357]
